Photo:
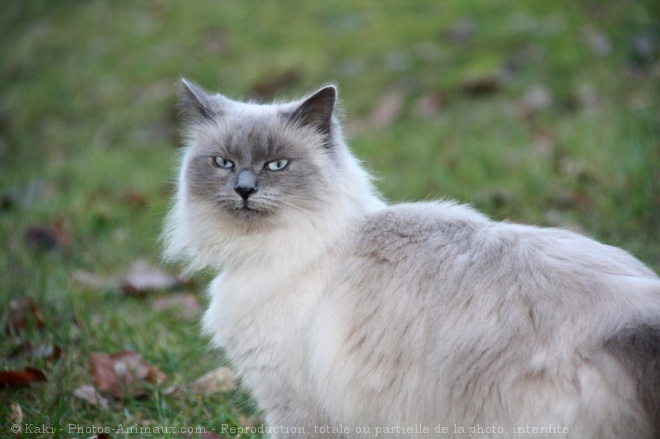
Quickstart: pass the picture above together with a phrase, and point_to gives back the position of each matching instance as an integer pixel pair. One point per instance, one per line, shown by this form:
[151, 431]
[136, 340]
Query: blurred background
[542, 112]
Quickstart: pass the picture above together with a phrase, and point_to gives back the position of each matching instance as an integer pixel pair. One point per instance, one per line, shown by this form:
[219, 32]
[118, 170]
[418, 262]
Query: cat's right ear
[316, 110]
[196, 103]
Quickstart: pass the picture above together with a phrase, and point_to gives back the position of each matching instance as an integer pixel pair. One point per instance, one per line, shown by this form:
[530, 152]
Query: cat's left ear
[196, 103]
[316, 111]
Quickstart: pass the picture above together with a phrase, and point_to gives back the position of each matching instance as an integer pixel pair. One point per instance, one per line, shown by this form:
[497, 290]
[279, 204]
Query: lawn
[542, 112]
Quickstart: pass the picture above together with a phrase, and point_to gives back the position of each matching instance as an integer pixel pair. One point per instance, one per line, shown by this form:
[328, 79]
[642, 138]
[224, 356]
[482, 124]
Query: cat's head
[255, 164]
[249, 167]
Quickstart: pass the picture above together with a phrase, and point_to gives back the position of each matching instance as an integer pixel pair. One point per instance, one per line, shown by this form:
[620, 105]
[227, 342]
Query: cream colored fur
[395, 319]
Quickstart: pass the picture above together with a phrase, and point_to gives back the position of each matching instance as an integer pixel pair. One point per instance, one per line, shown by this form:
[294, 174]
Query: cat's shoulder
[403, 226]
[409, 218]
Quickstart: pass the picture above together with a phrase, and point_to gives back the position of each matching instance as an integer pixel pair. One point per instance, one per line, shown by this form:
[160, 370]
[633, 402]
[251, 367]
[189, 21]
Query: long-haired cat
[348, 317]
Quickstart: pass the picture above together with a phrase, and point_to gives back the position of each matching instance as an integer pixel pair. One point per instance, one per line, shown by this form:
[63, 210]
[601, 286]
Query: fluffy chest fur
[261, 312]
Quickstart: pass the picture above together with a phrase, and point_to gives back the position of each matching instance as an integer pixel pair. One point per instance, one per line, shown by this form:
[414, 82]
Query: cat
[348, 317]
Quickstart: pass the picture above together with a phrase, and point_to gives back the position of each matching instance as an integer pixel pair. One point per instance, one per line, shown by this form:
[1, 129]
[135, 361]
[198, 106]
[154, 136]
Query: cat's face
[257, 165]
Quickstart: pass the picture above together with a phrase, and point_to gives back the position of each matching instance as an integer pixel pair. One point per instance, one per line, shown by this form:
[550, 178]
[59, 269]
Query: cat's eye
[277, 165]
[223, 163]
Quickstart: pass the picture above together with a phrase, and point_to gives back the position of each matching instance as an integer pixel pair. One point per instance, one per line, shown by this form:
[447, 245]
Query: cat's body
[342, 314]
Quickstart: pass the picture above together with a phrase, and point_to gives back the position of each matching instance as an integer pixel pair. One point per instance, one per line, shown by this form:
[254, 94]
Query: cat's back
[396, 233]
[429, 233]
[438, 303]
[446, 254]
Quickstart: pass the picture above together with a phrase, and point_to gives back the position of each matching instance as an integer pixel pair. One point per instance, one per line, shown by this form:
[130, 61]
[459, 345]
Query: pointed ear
[316, 111]
[196, 103]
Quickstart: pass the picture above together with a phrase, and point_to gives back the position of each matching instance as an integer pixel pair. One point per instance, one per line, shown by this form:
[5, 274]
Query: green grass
[87, 118]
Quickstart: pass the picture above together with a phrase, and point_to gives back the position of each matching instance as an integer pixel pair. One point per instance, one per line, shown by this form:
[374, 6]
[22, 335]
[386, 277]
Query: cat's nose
[246, 183]
[245, 191]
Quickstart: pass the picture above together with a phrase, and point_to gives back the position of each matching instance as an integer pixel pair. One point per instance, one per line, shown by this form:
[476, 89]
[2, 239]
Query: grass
[88, 141]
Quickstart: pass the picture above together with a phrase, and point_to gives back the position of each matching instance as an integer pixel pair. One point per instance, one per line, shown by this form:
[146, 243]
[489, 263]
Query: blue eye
[277, 165]
[223, 163]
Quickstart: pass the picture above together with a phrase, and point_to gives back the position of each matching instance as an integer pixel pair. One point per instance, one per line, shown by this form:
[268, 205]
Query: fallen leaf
[388, 109]
[47, 237]
[481, 86]
[46, 352]
[21, 378]
[91, 395]
[185, 305]
[134, 199]
[220, 380]
[143, 278]
[7, 201]
[22, 313]
[123, 374]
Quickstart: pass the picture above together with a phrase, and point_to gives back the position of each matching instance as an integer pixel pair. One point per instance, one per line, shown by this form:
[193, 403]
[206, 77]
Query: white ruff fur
[422, 315]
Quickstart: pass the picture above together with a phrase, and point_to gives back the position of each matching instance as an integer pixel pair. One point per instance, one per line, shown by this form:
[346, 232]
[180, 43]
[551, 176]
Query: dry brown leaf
[482, 86]
[134, 199]
[22, 312]
[143, 278]
[46, 237]
[7, 201]
[185, 305]
[123, 374]
[91, 395]
[47, 352]
[21, 378]
[222, 379]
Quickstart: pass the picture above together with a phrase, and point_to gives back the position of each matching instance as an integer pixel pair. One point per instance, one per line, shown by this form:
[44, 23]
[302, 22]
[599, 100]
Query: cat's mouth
[247, 208]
